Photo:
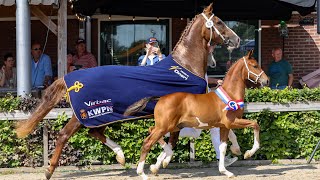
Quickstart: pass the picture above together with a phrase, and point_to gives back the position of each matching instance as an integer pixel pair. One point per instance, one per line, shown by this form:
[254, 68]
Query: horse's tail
[52, 96]
[139, 105]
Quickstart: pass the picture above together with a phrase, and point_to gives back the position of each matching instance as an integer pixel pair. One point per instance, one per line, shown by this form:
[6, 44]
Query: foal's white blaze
[222, 169]
[201, 124]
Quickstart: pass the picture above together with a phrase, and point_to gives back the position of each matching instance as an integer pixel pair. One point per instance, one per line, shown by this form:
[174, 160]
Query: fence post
[45, 144]
[192, 150]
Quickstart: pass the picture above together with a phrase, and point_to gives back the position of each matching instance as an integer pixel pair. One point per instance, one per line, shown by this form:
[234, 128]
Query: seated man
[41, 67]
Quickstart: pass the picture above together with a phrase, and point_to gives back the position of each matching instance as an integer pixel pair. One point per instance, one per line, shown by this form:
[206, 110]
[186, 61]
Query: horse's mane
[232, 67]
[185, 31]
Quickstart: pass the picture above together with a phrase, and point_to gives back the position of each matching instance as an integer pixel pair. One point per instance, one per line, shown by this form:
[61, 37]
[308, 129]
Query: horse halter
[210, 25]
[256, 75]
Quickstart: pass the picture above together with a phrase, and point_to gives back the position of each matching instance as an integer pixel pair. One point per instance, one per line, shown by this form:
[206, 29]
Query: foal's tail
[52, 96]
[139, 105]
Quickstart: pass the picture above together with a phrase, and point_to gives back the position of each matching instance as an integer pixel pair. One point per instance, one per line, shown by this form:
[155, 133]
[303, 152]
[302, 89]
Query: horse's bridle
[256, 75]
[210, 25]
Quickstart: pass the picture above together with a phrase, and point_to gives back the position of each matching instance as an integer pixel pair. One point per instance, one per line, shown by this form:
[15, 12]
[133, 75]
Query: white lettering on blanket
[182, 74]
[97, 102]
[99, 111]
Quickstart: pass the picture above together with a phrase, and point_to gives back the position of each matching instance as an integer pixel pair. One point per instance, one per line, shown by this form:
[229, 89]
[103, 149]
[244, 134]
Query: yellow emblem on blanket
[76, 87]
[174, 67]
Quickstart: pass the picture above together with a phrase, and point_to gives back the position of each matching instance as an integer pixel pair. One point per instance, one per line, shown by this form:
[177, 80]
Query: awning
[225, 9]
[33, 2]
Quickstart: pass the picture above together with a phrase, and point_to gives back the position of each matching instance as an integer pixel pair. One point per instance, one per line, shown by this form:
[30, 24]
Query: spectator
[70, 66]
[8, 73]
[279, 71]
[153, 53]
[41, 67]
[83, 59]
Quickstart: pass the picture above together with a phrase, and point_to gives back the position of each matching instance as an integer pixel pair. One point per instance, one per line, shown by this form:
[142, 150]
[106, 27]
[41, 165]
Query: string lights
[81, 17]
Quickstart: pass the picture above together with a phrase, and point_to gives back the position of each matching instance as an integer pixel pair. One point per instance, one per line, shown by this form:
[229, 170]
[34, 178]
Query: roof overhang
[225, 9]
[33, 2]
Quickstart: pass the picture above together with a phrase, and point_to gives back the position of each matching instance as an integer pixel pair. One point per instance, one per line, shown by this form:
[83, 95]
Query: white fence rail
[249, 108]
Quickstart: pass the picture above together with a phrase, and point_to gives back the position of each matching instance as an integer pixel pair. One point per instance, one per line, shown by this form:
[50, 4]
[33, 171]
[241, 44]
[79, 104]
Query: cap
[151, 40]
[80, 40]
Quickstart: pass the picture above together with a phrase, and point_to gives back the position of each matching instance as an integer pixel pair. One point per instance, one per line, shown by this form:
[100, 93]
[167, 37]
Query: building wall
[301, 48]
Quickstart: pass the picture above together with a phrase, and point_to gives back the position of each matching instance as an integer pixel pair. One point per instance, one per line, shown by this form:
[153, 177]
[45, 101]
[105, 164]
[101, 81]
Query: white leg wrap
[222, 169]
[168, 151]
[116, 149]
[140, 170]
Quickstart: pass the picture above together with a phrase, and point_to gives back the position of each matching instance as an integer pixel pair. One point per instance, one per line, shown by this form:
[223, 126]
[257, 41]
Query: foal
[222, 108]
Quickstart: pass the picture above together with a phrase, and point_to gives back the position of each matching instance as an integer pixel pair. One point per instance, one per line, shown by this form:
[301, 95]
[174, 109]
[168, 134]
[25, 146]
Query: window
[122, 42]
[247, 31]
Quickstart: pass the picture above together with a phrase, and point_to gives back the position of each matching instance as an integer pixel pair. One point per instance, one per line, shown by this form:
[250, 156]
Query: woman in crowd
[8, 73]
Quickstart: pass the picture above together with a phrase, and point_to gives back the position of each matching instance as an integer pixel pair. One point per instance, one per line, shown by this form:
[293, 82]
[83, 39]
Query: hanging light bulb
[71, 6]
[158, 19]
[133, 18]
[181, 19]
[109, 17]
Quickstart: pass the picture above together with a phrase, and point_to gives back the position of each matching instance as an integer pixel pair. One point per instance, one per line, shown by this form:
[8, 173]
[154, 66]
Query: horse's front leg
[223, 149]
[98, 133]
[243, 123]
[72, 127]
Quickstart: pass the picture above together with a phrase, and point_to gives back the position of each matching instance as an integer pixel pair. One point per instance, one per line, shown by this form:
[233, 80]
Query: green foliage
[283, 135]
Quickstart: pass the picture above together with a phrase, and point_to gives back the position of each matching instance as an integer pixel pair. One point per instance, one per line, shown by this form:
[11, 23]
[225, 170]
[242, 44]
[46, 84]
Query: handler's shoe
[228, 161]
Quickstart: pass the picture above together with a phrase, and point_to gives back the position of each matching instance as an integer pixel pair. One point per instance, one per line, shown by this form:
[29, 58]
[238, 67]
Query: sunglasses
[36, 49]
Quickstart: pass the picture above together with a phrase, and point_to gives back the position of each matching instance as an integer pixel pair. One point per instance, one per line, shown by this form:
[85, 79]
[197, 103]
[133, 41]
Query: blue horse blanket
[100, 95]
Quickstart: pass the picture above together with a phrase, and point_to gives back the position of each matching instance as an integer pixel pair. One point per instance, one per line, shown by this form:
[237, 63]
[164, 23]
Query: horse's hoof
[154, 169]
[230, 175]
[120, 158]
[166, 161]
[247, 155]
[235, 150]
[47, 174]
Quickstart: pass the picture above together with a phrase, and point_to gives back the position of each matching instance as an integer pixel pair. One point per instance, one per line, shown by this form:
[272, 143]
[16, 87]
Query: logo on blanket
[178, 70]
[96, 108]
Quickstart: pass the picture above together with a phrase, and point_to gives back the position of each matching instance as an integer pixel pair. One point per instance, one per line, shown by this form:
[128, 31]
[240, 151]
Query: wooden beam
[62, 38]
[44, 19]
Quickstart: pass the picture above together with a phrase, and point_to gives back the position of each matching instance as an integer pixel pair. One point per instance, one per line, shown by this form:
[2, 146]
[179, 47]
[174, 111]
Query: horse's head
[214, 29]
[252, 71]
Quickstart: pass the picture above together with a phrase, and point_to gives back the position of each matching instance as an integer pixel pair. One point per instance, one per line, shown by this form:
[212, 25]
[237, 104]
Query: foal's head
[248, 70]
[215, 30]
[251, 70]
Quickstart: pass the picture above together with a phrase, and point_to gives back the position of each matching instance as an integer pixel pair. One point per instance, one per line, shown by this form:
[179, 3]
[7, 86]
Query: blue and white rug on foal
[100, 95]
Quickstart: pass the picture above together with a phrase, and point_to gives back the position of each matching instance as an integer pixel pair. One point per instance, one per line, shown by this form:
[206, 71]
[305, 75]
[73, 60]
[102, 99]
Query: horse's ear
[208, 9]
[250, 54]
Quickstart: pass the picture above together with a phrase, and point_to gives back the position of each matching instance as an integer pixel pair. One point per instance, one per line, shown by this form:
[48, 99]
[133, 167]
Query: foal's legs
[243, 123]
[98, 133]
[235, 148]
[72, 127]
[166, 155]
[154, 136]
[223, 148]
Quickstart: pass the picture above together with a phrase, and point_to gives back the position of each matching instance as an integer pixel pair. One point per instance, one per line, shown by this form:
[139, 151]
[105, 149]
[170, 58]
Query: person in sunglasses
[153, 53]
[41, 67]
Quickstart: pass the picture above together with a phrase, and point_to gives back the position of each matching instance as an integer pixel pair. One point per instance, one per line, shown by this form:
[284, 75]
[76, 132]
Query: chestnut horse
[178, 110]
[191, 52]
